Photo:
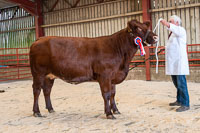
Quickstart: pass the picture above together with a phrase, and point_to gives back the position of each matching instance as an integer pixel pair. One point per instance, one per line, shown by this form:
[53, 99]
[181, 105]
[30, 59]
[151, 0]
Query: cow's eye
[139, 29]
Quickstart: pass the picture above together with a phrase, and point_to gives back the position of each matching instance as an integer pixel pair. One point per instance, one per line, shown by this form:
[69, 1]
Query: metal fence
[14, 64]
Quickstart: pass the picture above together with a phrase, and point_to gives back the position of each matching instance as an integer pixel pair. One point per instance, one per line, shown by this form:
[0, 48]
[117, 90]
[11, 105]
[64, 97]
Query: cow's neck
[125, 44]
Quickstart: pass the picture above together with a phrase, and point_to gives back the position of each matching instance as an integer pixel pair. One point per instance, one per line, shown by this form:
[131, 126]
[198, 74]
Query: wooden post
[17, 54]
[38, 20]
[147, 64]
[145, 9]
[147, 16]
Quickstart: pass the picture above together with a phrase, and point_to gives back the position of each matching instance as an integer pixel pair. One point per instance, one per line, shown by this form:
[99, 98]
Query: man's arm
[177, 30]
[165, 23]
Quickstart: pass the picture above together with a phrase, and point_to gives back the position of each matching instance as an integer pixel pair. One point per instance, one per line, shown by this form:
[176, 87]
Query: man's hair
[176, 19]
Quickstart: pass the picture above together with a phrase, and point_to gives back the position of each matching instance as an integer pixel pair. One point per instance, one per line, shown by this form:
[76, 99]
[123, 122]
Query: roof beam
[68, 3]
[54, 5]
[27, 5]
[100, 1]
[76, 4]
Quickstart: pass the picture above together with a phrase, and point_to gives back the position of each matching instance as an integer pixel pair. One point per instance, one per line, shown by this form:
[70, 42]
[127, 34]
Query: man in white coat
[177, 61]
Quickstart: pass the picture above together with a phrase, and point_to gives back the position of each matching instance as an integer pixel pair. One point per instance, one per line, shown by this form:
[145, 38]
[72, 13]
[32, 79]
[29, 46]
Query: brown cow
[78, 59]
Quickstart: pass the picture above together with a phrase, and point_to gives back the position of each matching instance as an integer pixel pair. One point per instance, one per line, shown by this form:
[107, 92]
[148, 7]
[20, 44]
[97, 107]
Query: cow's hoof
[110, 117]
[2, 91]
[37, 115]
[116, 112]
[51, 111]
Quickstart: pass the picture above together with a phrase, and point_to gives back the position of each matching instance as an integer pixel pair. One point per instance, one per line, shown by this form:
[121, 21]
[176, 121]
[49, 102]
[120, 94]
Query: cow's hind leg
[105, 85]
[112, 101]
[47, 86]
[36, 92]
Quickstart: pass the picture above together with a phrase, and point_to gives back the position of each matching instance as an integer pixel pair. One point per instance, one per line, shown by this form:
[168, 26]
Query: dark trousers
[182, 90]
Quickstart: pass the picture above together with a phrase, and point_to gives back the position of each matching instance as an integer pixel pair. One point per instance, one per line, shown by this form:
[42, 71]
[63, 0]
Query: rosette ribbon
[138, 41]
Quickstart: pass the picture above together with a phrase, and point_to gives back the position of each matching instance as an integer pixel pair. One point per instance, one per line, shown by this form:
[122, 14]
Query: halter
[145, 37]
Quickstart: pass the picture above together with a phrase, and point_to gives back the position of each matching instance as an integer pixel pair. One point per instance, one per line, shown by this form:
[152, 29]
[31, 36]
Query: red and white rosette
[138, 41]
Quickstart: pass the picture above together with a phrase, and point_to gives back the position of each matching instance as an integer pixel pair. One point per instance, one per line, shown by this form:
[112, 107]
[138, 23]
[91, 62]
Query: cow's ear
[131, 25]
[147, 23]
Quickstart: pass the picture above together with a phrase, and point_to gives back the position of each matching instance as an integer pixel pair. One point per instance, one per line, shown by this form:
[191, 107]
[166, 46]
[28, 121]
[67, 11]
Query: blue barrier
[3, 66]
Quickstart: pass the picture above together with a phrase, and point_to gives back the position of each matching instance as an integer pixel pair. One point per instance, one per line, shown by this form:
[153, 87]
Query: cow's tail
[32, 61]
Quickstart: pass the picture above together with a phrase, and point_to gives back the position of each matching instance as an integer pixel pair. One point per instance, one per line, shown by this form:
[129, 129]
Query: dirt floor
[80, 109]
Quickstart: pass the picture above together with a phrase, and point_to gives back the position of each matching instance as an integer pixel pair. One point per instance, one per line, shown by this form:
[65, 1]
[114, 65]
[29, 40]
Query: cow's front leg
[105, 85]
[112, 100]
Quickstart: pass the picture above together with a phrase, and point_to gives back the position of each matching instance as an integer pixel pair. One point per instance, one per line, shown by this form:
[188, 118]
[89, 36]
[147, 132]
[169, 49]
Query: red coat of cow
[78, 59]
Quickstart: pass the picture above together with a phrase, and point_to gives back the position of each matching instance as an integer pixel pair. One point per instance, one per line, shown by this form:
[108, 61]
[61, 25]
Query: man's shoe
[182, 108]
[175, 104]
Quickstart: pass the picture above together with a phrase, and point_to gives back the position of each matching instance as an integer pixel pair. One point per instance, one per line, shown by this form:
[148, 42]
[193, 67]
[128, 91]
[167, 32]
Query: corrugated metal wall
[92, 19]
[17, 28]
[88, 20]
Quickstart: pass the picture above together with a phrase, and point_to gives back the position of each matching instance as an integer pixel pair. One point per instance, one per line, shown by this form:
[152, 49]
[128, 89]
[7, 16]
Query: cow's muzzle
[156, 39]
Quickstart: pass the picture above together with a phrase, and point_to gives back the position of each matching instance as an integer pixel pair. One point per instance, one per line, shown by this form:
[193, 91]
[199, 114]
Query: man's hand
[165, 23]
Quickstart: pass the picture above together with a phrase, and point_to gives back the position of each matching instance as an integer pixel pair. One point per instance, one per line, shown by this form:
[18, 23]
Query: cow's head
[135, 28]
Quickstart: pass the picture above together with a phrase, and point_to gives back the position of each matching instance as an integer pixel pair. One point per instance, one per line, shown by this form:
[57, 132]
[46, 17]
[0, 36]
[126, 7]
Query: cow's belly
[74, 73]
[75, 80]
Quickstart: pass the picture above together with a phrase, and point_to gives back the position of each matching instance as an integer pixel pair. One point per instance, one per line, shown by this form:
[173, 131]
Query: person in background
[177, 61]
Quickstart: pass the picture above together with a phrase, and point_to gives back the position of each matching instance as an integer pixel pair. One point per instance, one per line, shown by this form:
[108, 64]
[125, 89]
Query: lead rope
[157, 44]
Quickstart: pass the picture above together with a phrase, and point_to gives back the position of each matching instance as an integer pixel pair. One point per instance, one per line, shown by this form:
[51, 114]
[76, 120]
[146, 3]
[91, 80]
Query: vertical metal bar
[147, 64]
[39, 20]
[145, 7]
[17, 63]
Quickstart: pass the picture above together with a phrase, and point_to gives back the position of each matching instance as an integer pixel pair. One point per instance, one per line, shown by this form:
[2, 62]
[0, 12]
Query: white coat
[176, 52]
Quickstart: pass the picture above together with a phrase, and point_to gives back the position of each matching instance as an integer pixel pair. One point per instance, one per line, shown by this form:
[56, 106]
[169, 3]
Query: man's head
[175, 20]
